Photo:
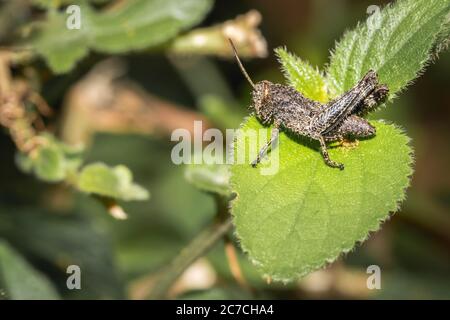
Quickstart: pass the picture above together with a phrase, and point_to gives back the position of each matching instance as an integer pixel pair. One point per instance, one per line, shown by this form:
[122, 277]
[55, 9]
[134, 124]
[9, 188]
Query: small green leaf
[133, 25]
[20, 280]
[397, 45]
[302, 76]
[305, 215]
[213, 178]
[53, 161]
[115, 182]
[49, 164]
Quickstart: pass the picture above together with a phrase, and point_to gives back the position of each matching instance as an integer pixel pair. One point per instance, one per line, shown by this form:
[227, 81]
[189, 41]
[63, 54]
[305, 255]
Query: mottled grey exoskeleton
[289, 110]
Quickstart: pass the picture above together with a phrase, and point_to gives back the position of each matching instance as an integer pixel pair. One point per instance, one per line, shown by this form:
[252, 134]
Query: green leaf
[115, 182]
[133, 25]
[213, 178]
[398, 50]
[20, 280]
[49, 164]
[304, 216]
[52, 162]
[302, 76]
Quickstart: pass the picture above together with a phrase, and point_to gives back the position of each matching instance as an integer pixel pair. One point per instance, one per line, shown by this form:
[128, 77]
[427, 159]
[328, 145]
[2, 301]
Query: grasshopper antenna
[240, 64]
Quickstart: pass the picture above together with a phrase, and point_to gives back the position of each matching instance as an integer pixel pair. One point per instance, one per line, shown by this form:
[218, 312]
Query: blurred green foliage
[137, 24]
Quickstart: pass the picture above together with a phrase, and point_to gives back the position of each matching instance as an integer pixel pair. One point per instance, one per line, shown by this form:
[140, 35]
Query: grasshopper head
[262, 101]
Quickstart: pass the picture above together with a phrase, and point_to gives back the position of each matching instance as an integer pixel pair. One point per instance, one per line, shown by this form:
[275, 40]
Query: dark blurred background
[54, 226]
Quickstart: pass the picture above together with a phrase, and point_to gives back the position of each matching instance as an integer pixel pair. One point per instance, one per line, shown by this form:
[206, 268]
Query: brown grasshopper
[287, 109]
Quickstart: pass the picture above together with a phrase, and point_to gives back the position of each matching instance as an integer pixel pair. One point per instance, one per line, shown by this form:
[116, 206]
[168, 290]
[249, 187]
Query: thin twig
[197, 248]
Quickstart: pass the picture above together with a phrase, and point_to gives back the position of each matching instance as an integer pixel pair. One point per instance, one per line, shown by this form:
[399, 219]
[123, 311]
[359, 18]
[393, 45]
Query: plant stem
[197, 248]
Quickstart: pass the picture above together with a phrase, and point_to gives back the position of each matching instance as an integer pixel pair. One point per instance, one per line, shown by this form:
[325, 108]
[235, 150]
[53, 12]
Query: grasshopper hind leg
[326, 156]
